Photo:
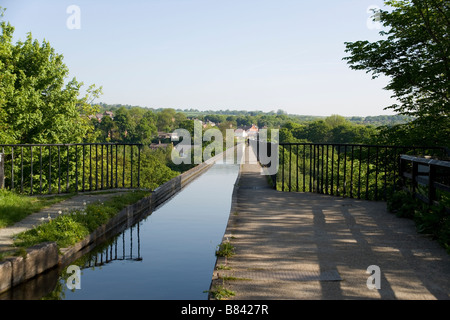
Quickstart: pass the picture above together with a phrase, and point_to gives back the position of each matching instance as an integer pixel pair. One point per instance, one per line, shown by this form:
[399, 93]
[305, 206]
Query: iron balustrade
[261, 146]
[64, 168]
[359, 171]
[425, 179]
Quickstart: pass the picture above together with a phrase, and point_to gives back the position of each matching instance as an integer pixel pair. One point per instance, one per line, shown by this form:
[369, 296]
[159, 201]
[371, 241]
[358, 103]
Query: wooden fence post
[431, 187]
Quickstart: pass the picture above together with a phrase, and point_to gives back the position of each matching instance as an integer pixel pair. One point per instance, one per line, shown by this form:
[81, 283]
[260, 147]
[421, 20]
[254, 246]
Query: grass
[15, 207]
[70, 228]
[232, 278]
[223, 267]
[19, 252]
[225, 249]
[220, 292]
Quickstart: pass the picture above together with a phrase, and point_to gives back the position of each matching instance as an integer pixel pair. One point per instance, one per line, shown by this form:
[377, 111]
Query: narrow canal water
[168, 255]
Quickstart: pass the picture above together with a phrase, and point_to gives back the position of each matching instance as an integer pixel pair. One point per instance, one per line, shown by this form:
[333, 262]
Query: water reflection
[124, 247]
[117, 250]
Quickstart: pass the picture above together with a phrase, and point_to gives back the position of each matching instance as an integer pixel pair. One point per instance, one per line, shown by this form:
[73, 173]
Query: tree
[154, 171]
[123, 121]
[416, 57]
[6, 80]
[107, 128]
[36, 105]
[166, 119]
[335, 120]
[146, 128]
[318, 132]
[216, 118]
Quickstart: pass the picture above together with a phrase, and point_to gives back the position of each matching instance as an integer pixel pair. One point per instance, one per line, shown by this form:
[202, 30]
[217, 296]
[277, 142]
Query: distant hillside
[375, 121]
[378, 121]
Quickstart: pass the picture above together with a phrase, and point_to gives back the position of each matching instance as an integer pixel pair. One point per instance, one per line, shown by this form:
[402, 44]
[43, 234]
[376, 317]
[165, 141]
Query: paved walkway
[76, 202]
[312, 246]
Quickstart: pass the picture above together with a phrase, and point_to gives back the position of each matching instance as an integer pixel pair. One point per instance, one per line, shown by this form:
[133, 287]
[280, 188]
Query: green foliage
[154, 170]
[333, 129]
[220, 292]
[402, 204]
[37, 104]
[146, 128]
[415, 56]
[136, 124]
[420, 132]
[15, 207]
[431, 220]
[225, 249]
[378, 121]
[70, 228]
[64, 230]
[166, 119]
[161, 118]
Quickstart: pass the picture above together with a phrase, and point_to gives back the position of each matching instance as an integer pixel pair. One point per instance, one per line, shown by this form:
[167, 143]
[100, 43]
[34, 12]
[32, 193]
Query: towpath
[313, 246]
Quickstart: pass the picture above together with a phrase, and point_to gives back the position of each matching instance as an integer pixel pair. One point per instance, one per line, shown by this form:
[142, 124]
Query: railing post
[415, 168]
[401, 170]
[257, 146]
[2, 171]
[139, 166]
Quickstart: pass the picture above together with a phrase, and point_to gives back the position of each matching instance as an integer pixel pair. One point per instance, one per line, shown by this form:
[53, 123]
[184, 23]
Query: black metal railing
[360, 171]
[426, 179]
[64, 168]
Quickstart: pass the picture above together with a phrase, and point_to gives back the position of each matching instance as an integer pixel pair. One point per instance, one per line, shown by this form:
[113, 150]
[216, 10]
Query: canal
[169, 255]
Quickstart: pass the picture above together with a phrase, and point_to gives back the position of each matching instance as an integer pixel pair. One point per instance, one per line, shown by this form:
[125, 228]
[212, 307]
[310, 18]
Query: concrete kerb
[45, 256]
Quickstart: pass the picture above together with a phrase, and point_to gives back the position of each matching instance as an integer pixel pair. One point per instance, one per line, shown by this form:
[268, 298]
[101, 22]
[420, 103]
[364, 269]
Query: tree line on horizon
[141, 125]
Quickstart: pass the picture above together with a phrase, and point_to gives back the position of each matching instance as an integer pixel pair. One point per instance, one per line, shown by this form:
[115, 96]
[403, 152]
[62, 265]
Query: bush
[402, 204]
[432, 220]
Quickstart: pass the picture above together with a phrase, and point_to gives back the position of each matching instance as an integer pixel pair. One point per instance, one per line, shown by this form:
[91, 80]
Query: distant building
[206, 123]
[158, 145]
[110, 114]
[99, 116]
[168, 136]
[252, 131]
[163, 135]
[209, 123]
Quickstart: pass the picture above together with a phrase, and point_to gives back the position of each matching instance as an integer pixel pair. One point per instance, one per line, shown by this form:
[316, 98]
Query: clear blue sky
[210, 54]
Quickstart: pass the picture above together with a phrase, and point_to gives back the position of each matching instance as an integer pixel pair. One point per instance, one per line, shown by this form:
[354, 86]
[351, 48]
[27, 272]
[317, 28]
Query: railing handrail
[70, 144]
[363, 145]
[412, 180]
[425, 161]
[65, 166]
[359, 170]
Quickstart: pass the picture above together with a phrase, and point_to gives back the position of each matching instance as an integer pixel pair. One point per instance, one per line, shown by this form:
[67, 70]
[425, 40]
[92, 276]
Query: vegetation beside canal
[15, 207]
[225, 249]
[68, 229]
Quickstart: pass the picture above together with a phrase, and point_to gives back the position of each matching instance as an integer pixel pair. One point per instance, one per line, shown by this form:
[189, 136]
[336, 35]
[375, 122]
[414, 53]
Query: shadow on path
[312, 246]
